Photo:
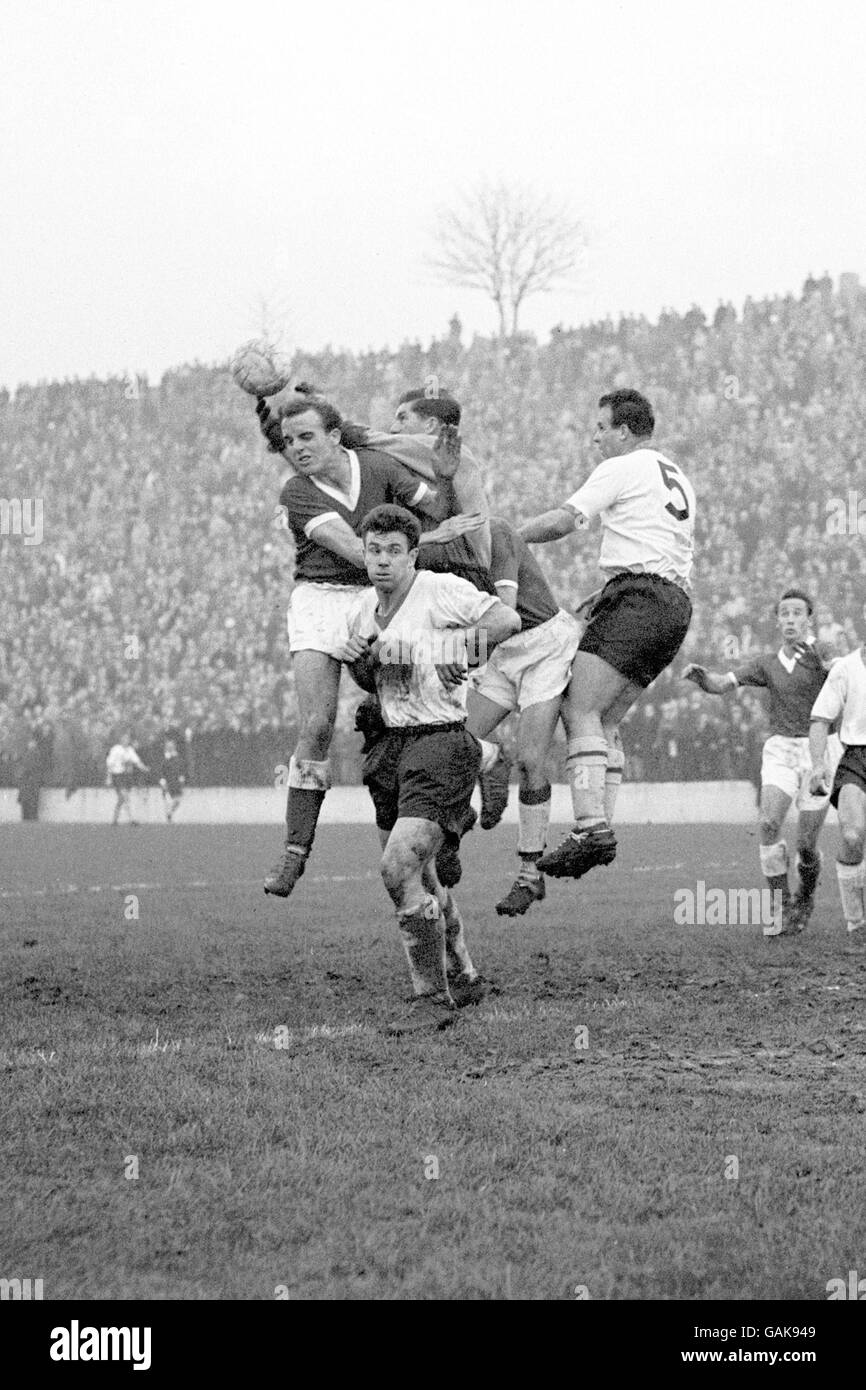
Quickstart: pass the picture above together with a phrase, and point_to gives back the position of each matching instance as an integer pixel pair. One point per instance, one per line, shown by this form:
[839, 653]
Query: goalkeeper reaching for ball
[334, 486]
[794, 677]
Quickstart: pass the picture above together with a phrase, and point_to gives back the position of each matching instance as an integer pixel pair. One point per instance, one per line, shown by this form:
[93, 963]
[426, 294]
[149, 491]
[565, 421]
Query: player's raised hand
[809, 656]
[454, 526]
[270, 426]
[446, 451]
[697, 674]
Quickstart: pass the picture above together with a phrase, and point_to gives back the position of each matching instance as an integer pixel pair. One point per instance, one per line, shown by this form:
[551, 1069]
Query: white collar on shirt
[348, 499]
[789, 662]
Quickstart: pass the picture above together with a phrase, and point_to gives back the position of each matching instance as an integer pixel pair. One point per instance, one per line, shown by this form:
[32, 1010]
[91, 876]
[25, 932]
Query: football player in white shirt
[638, 623]
[122, 758]
[407, 634]
[844, 693]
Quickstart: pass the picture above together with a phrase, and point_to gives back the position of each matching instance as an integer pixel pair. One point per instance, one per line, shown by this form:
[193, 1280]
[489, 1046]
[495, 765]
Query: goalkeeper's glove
[270, 426]
[446, 452]
[809, 656]
[697, 674]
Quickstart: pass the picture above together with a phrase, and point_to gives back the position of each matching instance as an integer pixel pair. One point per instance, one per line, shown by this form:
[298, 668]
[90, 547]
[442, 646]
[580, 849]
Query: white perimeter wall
[639, 803]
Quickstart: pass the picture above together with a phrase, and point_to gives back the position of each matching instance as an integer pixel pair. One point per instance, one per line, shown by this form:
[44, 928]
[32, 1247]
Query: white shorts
[318, 616]
[786, 764]
[532, 666]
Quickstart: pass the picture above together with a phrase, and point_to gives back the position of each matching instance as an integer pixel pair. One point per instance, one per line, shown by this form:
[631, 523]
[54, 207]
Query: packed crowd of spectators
[156, 593]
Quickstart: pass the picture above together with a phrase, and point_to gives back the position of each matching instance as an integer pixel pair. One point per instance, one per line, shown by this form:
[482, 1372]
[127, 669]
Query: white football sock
[850, 878]
[489, 754]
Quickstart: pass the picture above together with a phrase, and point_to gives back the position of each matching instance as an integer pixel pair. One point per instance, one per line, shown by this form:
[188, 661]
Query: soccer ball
[259, 369]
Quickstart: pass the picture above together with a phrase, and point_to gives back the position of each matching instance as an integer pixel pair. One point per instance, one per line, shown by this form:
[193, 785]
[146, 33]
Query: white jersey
[844, 692]
[420, 634]
[121, 758]
[647, 510]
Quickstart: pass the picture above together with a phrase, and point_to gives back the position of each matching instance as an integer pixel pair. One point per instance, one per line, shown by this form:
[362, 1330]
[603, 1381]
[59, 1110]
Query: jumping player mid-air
[843, 696]
[639, 621]
[332, 490]
[527, 673]
[419, 415]
[794, 677]
[422, 771]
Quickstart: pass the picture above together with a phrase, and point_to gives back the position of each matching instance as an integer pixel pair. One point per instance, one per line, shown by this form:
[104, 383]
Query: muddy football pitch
[200, 1100]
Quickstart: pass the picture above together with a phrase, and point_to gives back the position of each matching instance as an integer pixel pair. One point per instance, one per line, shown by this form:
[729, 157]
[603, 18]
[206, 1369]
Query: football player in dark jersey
[172, 776]
[332, 489]
[528, 673]
[794, 676]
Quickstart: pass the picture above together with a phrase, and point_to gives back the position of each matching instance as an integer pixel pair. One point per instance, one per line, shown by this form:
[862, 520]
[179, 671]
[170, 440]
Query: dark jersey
[792, 692]
[172, 769]
[375, 479]
[453, 557]
[512, 564]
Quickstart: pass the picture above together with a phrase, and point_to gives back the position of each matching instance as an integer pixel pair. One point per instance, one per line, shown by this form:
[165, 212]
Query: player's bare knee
[531, 769]
[394, 873]
[613, 736]
[317, 731]
[769, 827]
[852, 841]
[403, 859]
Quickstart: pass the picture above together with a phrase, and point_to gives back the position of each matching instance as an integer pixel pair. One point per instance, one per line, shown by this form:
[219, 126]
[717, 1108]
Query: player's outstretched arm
[270, 426]
[451, 465]
[498, 623]
[548, 526]
[471, 498]
[711, 682]
[819, 779]
[337, 536]
[359, 655]
[451, 528]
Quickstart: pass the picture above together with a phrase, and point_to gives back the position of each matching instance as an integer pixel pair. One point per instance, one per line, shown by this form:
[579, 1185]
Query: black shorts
[851, 770]
[413, 772]
[637, 625]
[121, 781]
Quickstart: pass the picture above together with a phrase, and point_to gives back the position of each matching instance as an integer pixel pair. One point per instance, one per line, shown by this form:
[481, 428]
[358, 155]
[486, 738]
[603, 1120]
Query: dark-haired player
[332, 490]
[420, 415]
[172, 777]
[421, 773]
[422, 418]
[639, 621]
[528, 673]
[794, 677]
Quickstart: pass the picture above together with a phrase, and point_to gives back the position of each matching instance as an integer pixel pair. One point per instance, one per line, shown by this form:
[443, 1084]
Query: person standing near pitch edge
[638, 623]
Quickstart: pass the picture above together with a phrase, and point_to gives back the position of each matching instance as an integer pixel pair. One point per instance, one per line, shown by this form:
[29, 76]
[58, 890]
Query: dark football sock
[302, 815]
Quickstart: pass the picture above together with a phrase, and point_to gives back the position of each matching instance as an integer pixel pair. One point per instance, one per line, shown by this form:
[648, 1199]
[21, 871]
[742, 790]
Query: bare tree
[270, 314]
[508, 241]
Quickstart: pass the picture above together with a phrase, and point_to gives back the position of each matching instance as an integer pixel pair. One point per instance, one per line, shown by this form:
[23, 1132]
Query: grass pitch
[199, 1102]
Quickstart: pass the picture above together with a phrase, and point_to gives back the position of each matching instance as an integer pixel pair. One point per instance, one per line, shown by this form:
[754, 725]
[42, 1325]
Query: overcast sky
[165, 166]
